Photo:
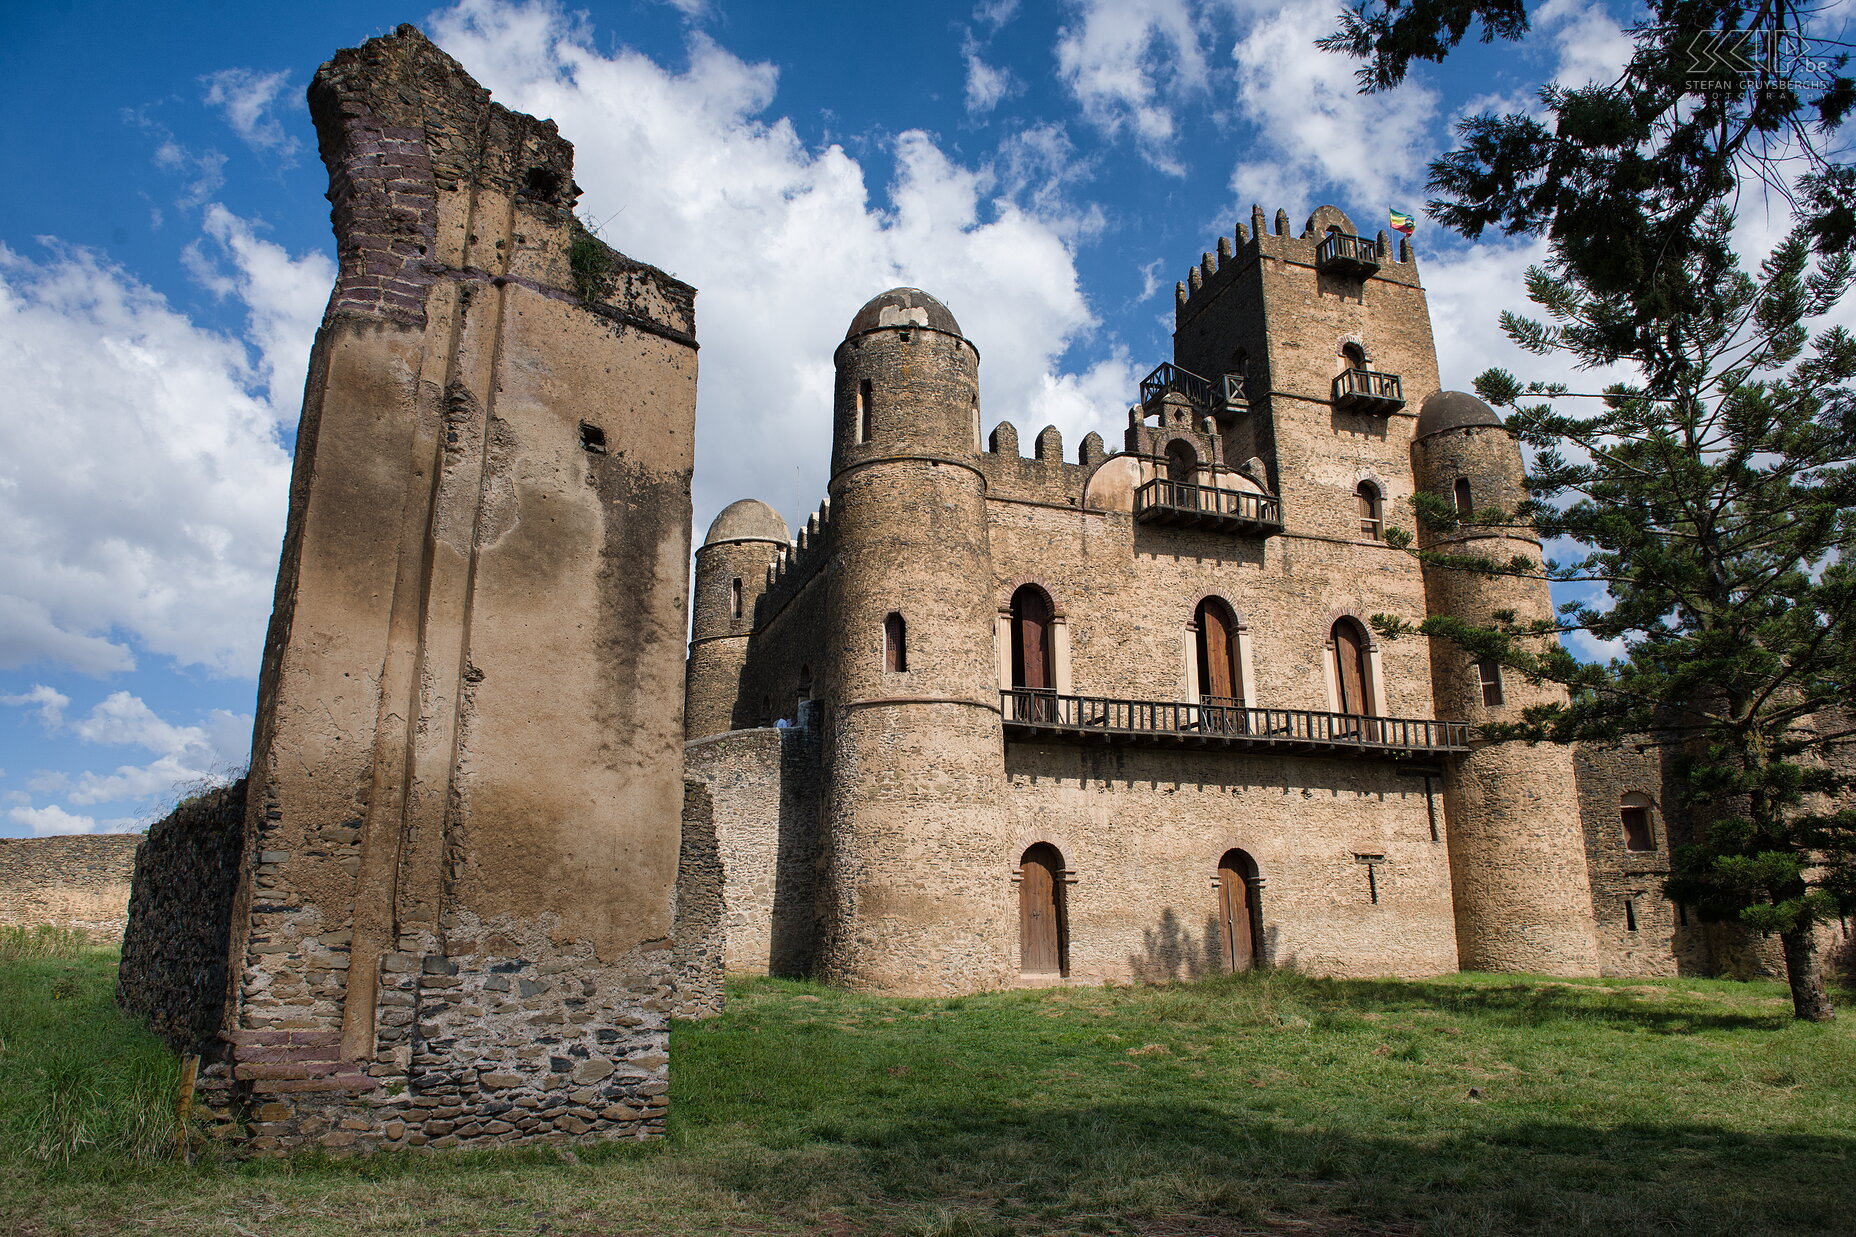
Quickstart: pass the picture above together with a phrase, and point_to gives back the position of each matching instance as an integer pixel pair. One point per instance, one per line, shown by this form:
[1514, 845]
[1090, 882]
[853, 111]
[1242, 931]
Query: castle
[1125, 716]
[988, 720]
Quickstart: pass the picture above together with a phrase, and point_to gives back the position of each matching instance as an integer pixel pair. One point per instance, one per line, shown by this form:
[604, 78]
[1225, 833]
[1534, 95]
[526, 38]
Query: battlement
[1354, 257]
[796, 565]
[1044, 477]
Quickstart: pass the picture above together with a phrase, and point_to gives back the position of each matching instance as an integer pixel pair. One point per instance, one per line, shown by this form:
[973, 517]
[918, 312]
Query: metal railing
[1368, 386]
[1204, 723]
[1184, 498]
[1353, 252]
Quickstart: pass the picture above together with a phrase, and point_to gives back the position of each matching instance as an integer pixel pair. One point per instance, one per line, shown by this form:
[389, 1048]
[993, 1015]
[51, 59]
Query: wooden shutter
[1040, 929]
[1240, 948]
[1218, 671]
[1031, 640]
[1350, 662]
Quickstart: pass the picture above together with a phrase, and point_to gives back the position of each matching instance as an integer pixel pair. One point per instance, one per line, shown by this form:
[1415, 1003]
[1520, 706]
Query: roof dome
[903, 307]
[1453, 410]
[747, 520]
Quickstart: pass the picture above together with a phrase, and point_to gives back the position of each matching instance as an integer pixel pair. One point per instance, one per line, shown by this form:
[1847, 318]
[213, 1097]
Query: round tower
[1517, 849]
[731, 574]
[918, 885]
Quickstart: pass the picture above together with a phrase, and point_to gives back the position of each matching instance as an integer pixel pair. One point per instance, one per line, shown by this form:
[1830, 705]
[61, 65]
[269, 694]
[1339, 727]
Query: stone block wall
[698, 915]
[78, 881]
[173, 971]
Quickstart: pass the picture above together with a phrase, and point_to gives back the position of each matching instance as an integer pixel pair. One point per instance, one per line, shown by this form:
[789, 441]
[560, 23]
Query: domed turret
[1450, 410]
[748, 520]
[903, 307]
[908, 383]
[1517, 850]
[731, 574]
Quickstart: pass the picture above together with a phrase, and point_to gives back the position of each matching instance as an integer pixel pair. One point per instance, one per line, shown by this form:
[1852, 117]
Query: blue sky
[1049, 170]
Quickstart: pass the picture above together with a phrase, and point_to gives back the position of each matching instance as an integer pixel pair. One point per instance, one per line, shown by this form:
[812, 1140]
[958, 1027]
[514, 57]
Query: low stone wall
[174, 953]
[78, 881]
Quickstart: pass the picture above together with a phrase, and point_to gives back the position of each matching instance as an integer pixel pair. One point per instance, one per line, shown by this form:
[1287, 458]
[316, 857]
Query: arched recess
[1219, 670]
[1043, 928]
[1353, 355]
[1240, 917]
[1182, 462]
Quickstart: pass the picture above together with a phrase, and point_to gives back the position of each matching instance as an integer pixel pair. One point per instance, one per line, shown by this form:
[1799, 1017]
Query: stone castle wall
[174, 955]
[77, 881]
[454, 917]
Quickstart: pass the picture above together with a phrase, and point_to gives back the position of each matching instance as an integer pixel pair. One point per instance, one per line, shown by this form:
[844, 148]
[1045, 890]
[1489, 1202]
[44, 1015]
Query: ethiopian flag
[1401, 222]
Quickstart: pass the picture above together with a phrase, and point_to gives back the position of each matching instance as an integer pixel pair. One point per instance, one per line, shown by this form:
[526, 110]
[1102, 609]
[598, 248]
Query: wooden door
[1234, 913]
[1040, 919]
[1351, 669]
[1218, 673]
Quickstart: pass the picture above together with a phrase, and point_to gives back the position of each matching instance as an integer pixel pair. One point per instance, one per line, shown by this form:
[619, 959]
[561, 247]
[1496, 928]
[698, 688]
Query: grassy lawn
[1267, 1103]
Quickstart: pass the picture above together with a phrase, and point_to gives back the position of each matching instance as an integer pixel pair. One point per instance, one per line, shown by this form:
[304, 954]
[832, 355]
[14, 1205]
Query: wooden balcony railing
[1044, 714]
[1181, 502]
[1368, 390]
[1347, 255]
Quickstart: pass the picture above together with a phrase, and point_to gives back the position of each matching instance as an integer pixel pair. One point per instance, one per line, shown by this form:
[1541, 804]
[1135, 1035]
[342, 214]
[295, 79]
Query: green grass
[1263, 1103]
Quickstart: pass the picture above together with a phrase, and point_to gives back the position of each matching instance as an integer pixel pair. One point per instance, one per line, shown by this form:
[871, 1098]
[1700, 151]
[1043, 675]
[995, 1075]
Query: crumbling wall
[454, 914]
[699, 908]
[78, 881]
[173, 971]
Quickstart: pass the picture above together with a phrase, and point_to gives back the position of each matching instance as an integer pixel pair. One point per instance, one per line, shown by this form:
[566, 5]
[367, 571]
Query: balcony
[1033, 714]
[1354, 256]
[1369, 391]
[1224, 395]
[1202, 506]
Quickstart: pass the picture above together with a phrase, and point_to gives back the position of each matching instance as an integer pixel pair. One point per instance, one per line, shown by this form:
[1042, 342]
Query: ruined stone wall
[1142, 831]
[454, 917]
[1627, 885]
[173, 971]
[698, 911]
[78, 881]
[765, 787]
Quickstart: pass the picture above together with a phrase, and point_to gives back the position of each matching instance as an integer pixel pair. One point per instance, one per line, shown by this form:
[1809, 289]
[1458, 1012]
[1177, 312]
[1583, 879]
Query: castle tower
[1328, 337]
[917, 881]
[1517, 851]
[731, 573]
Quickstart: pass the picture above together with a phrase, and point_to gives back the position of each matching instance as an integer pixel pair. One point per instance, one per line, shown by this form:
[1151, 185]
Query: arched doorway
[1043, 947]
[1239, 923]
[1221, 676]
[1182, 462]
[1032, 668]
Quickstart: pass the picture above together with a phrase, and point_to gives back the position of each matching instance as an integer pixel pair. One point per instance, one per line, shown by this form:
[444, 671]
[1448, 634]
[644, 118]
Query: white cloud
[142, 478]
[45, 821]
[123, 719]
[1589, 42]
[995, 13]
[1128, 64]
[50, 703]
[248, 100]
[987, 84]
[695, 173]
[1317, 133]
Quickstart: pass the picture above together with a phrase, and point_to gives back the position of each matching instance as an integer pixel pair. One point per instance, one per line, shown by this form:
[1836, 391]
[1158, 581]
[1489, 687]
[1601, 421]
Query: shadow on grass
[1535, 1001]
[1138, 1161]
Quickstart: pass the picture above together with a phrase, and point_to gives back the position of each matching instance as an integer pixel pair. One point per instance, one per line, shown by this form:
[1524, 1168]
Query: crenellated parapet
[1354, 256]
[797, 566]
[1044, 476]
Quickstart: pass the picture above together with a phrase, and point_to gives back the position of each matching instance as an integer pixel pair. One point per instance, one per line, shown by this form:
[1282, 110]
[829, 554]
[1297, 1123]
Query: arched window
[1033, 667]
[1489, 674]
[1464, 503]
[1240, 924]
[1182, 462]
[1372, 521]
[734, 597]
[1634, 815]
[1354, 355]
[895, 643]
[805, 682]
[1221, 676]
[1043, 936]
[1353, 677]
[863, 410]
[1240, 363]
